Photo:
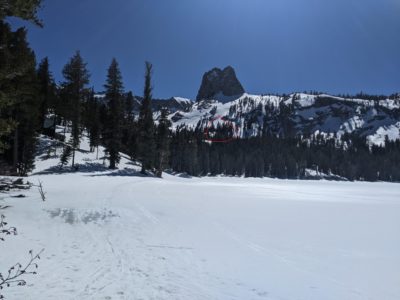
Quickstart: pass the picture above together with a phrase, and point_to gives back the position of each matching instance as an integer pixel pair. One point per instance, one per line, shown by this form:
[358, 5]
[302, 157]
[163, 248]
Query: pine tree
[93, 124]
[8, 71]
[18, 100]
[146, 142]
[48, 96]
[129, 134]
[66, 155]
[75, 90]
[113, 129]
[163, 142]
[129, 106]
[17, 87]
[27, 107]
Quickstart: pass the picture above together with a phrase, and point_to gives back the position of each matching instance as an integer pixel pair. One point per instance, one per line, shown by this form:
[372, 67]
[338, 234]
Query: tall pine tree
[75, 91]
[129, 133]
[114, 98]
[48, 96]
[8, 71]
[146, 141]
[93, 123]
[25, 112]
[17, 93]
[18, 100]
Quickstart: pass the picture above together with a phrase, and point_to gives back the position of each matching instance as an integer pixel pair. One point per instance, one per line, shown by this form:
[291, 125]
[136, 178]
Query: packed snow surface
[117, 235]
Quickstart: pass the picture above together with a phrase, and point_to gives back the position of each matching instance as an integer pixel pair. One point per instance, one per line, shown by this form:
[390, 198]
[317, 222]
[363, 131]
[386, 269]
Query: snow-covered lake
[129, 237]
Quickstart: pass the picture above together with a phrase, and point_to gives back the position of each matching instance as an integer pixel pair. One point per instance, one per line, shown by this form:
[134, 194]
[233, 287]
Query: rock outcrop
[221, 85]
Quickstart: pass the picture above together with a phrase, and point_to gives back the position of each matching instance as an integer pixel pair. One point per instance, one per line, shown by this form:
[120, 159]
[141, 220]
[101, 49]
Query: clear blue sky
[276, 46]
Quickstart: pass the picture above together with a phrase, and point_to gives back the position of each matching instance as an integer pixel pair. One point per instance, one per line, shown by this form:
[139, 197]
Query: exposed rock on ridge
[221, 85]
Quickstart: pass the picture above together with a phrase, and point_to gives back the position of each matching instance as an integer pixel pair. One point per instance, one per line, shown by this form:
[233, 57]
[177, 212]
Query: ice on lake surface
[121, 237]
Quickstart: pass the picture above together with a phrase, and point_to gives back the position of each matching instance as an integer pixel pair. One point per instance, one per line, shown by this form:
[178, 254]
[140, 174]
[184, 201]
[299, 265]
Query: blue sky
[275, 46]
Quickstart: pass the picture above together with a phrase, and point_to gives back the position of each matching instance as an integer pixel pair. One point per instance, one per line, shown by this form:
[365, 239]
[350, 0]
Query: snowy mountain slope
[117, 235]
[301, 113]
[392, 132]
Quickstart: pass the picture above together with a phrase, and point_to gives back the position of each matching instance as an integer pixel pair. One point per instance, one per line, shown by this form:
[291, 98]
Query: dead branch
[41, 191]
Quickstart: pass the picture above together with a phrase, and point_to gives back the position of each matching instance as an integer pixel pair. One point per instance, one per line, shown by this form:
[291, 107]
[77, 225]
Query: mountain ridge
[299, 113]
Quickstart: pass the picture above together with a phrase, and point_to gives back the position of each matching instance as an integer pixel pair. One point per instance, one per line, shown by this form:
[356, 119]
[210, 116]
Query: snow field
[118, 235]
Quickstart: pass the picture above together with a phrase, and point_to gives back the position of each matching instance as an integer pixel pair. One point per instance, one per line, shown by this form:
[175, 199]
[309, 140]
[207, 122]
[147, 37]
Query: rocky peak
[221, 85]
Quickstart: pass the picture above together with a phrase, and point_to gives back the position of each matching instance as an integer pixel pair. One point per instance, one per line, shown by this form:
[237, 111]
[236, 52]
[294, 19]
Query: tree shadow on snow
[124, 172]
[79, 168]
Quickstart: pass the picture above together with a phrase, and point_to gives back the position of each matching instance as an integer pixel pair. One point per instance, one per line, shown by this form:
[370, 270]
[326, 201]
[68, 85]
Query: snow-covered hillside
[117, 235]
[304, 113]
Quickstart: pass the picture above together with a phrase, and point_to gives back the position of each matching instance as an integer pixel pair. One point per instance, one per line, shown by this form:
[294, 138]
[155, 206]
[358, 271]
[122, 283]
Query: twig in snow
[41, 191]
[3, 229]
[15, 273]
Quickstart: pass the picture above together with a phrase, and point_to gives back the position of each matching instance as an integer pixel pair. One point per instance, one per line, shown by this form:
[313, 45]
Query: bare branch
[41, 191]
[4, 229]
[17, 271]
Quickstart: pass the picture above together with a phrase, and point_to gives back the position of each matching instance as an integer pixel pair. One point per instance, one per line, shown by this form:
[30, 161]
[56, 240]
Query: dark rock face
[220, 85]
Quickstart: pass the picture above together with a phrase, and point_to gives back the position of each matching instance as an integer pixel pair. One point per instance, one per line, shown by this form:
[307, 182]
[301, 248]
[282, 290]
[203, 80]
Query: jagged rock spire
[220, 85]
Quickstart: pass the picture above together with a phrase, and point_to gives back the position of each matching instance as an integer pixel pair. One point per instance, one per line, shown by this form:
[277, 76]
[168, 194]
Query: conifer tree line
[32, 103]
[40, 105]
[268, 155]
